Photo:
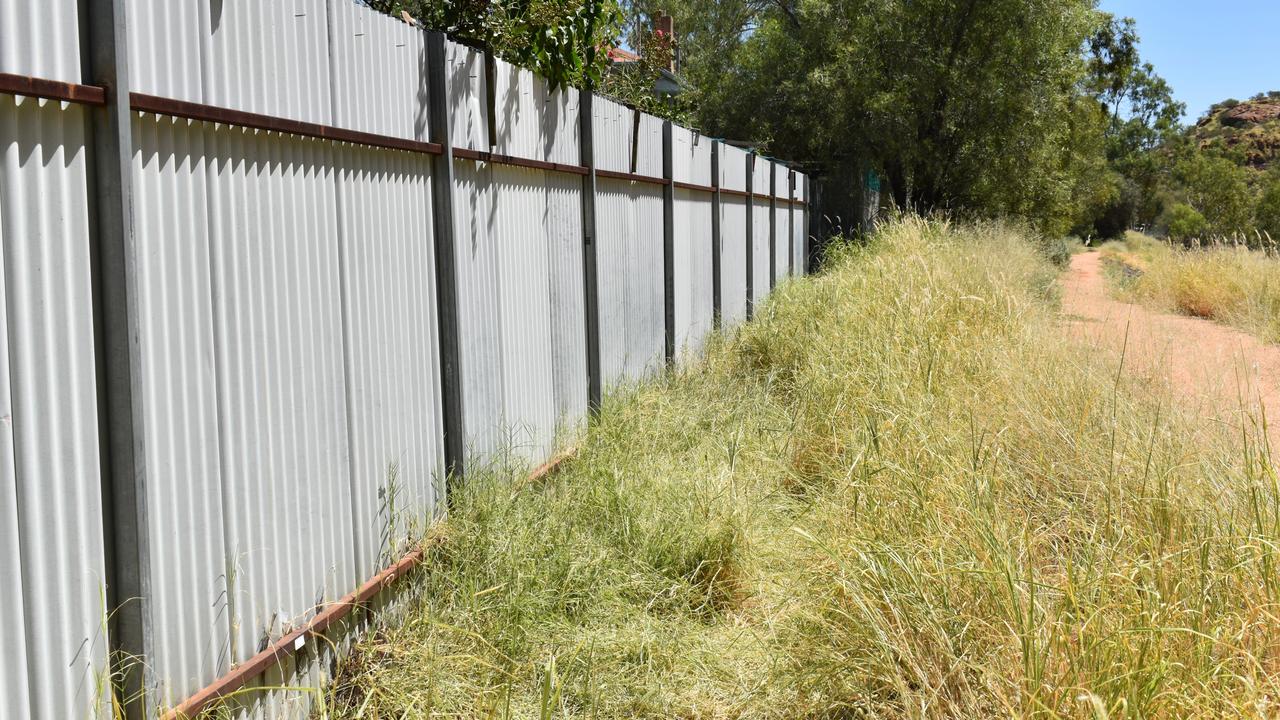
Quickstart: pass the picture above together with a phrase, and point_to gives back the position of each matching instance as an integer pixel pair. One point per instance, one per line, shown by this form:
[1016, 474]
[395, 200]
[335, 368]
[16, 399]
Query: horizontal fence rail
[327, 264]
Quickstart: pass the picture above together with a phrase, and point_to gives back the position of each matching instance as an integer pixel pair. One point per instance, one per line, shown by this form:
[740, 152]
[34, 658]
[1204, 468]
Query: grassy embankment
[1232, 285]
[899, 493]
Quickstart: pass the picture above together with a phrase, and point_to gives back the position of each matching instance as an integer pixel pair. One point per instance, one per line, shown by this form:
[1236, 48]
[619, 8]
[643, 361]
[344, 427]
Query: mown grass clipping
[899, 493]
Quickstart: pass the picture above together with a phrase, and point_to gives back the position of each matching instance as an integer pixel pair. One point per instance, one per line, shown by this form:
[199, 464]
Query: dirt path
[1205, 362]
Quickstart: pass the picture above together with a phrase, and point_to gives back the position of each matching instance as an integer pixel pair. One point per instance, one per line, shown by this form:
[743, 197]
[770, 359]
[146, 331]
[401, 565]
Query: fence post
[716, 249]
[591, 289]
[669, 240]
[442, 182]
[751, 239]
[810, 223]
[125, 520]
[773, 224]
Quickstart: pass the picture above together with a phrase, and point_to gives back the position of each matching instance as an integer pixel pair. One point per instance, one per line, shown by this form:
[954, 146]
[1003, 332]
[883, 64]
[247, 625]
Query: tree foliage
[1141, 116]
[1266, 216]
[562, 40]
[1186, 223]
[1039, 109]
[634, 83]
[1218, 189]
[965, 105]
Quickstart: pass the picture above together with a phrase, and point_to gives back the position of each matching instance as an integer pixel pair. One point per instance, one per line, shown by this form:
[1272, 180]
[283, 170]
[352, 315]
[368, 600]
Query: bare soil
[1228, 374]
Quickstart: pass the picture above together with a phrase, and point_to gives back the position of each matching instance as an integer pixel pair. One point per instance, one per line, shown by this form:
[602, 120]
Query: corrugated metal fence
[325, 259]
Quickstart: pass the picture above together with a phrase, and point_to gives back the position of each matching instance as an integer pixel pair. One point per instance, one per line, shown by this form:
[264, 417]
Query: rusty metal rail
[694, 187]
[633, 177]
[97, 96]
[212, 113]
[291, 643]
[500, 159]
[52, 89]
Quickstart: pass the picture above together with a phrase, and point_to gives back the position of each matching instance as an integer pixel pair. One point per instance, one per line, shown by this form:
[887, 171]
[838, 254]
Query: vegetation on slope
[1217, 178]
[1249, 131]
[898, 493]
[1223, 282]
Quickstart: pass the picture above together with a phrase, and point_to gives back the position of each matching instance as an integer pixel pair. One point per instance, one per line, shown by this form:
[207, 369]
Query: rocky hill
[1248, 131]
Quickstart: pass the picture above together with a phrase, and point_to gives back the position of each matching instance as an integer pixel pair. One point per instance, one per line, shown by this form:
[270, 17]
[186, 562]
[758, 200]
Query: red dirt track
[1206, 363]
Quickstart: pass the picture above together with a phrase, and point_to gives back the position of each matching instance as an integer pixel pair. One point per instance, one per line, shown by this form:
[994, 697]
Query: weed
[1226, 282]
[899, 493]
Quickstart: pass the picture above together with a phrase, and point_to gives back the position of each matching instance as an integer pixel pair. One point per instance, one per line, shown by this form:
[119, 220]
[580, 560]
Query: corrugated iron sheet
[519, 234]
[799, 227]
[761, 173]
[270, 58]
[41, 39]
[53, 626]
[388, 276]
[648, 153]
[379, 73]
[632, 323]
[782, 220]
[182, 456]
[524, 295]
[478, 308]
[613, 128]
[563, 223]
[392, 349]
[169, 47]
[466, 86]
[629, 229]
[733, 236]
[288, 312]
[694, 293]
[282, 401]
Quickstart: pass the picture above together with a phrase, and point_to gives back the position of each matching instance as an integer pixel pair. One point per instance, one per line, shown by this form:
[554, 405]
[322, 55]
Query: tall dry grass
[1226, 282]
[899, 493]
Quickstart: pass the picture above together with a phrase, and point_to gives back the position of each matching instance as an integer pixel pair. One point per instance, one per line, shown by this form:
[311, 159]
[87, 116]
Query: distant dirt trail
[1202, 360]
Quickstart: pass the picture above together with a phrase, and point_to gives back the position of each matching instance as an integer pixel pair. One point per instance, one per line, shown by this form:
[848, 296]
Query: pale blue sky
[1208, 51]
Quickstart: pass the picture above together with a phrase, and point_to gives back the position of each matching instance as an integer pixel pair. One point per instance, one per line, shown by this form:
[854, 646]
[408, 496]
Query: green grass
[899, 493]
[1224, 282]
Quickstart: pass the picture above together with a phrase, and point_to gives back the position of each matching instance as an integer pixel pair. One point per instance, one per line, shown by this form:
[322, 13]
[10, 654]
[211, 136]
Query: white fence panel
[281, 381]
[563, 222]
[694, 293]
[518, 232]
[270, 58]
[632, 324]
[524, 287]
[648, 152]
[168, 47]
[733, 237]
[519, 97]
[53, 628]
[799, 228]
[480, 336]
[392, 348]
[760, 242]
[465, 80]
[379, 73]
[180, 437]
[560, 135]
[613, 132]
[41, 39]
[782, 222]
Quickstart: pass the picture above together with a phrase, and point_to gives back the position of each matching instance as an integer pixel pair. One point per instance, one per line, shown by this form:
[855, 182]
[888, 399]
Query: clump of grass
[899, 492]
[1228, 283]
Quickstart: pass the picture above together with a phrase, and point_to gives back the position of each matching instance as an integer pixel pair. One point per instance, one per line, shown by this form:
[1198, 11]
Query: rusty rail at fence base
[239, 676]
